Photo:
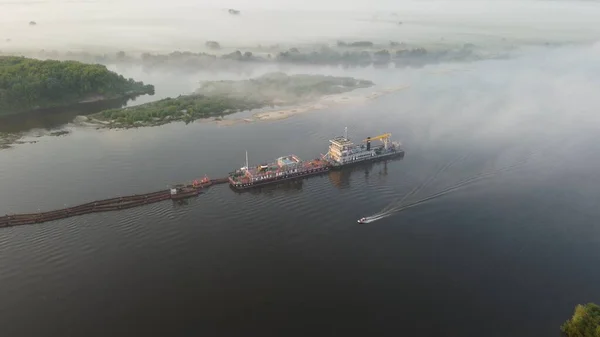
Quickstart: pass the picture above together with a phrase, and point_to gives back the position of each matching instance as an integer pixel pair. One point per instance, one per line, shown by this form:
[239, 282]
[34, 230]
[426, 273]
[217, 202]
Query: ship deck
[247, 175]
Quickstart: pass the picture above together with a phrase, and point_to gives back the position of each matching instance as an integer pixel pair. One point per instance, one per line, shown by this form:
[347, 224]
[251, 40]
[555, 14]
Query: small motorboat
[362, 220]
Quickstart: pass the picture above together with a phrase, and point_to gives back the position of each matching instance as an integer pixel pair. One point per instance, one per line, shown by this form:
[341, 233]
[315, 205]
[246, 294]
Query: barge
[343, 152]
[284, 168]
[183, 192]
[178, 193]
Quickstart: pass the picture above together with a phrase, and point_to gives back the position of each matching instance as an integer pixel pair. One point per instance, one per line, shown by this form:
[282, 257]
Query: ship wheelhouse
[342, 150]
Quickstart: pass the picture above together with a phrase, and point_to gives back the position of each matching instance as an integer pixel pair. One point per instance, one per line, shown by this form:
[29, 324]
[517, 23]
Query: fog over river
[158, 26]
[508, 255]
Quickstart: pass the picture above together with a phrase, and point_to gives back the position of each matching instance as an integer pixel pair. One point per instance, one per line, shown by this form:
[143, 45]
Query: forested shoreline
[27, 84]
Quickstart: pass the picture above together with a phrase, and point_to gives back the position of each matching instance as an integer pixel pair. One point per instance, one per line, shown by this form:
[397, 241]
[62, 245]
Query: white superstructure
[343, 151]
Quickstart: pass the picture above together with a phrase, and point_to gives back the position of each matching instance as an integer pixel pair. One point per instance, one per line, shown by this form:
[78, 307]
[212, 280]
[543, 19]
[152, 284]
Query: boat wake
[370, 219]
[401, 204]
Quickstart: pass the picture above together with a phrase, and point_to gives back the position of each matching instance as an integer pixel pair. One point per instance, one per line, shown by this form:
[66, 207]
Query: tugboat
[343, 152]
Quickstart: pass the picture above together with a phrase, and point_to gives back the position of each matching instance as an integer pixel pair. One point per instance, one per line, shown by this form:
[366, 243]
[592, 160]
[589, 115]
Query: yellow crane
[385, 138]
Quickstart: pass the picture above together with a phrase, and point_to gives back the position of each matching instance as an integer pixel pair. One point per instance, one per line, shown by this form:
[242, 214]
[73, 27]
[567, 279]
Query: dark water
[54, 118]
[167, 84]
[509, 256]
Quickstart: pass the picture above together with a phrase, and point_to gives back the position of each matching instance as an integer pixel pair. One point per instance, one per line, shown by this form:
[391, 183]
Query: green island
[28, 84]
[584, 323]
[220, 98]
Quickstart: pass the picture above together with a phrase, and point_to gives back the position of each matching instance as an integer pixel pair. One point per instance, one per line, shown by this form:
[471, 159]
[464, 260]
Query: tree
[584, 323]
[26, 84]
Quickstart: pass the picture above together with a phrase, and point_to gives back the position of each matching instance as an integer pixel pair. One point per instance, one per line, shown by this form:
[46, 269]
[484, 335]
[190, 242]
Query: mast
[245, 167]
[346, 132]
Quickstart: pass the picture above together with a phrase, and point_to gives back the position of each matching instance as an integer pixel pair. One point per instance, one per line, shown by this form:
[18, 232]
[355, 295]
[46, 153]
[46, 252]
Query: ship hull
[390, 155]
[291, 176]
[185, 195]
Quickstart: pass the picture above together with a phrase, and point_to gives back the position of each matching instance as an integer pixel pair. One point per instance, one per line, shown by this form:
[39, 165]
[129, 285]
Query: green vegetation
[284, 88]
[220, 98]
[584, 323]
[186, 108]
[27, 84]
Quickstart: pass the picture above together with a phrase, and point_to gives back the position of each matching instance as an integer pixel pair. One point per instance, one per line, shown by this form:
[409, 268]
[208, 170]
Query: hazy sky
[158, 25]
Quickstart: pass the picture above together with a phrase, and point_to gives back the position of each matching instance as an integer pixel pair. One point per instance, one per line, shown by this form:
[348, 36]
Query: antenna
[346, 132]
[245, 167]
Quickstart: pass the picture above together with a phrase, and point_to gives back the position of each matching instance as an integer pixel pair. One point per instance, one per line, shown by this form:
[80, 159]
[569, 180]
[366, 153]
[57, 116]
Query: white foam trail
[397, 207]
[530, 156]
[460, 184]
[415, 191]
[465, 183]
[373, 218]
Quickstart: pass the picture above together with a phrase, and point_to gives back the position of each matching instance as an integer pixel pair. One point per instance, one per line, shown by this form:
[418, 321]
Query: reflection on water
[289, 186]
[52, 118]
[338, 178]
[341, 178]
[184, 202]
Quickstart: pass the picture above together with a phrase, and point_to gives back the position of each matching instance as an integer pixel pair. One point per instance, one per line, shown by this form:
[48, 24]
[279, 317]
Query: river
[510, 255]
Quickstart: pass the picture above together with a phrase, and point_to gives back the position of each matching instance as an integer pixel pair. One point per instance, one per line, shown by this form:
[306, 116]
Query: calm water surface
[508, 256]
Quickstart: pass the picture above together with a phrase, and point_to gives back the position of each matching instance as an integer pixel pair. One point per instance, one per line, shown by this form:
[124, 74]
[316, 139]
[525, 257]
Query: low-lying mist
[541, 89]
[134, 26]
[543, 93]
[546, 95]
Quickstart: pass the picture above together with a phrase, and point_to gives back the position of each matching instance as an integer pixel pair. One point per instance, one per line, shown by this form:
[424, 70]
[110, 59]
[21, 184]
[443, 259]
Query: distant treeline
[353, 54]
[27, 84]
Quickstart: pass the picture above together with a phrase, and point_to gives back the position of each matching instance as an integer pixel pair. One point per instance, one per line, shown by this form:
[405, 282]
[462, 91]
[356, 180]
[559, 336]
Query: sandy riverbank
[325, 102]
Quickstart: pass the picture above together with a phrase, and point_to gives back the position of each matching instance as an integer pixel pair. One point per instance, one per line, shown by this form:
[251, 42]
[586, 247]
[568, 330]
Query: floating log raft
[113, 204]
